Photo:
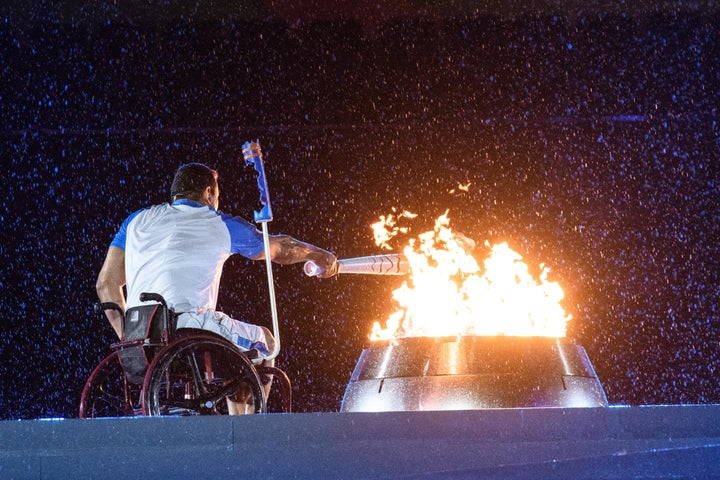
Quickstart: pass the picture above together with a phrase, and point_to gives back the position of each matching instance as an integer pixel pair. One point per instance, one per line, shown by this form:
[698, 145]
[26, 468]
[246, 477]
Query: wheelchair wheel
[107, 393]
[196, 374]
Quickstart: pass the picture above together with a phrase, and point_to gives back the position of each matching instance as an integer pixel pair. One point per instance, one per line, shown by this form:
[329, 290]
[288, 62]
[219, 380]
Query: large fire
[447, 292]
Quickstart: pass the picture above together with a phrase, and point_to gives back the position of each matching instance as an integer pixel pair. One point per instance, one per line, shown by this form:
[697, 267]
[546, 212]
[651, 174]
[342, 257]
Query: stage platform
[679, 441]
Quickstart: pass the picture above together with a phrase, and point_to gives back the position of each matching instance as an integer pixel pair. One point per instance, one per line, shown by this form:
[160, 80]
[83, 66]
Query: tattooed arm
[286, 250]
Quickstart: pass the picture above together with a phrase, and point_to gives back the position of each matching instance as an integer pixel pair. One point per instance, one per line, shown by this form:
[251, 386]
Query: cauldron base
[472, 372]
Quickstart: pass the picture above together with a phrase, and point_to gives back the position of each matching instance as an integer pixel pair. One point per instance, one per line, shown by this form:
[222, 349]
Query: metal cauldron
[472, 372]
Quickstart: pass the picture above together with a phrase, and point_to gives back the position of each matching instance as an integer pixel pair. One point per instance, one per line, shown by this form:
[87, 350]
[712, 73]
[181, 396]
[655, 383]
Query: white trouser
[245, 335]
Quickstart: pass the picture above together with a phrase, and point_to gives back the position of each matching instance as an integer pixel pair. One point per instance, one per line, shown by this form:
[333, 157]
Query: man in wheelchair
[178, 249]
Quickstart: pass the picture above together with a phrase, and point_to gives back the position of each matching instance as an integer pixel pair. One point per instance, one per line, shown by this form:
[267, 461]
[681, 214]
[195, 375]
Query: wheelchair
[158, 370]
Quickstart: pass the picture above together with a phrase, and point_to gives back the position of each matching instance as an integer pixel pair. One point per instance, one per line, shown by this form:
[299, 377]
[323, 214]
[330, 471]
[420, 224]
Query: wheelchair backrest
[154, 322]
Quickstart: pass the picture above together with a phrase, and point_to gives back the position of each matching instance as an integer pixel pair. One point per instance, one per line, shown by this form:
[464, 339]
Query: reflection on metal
[469, 373]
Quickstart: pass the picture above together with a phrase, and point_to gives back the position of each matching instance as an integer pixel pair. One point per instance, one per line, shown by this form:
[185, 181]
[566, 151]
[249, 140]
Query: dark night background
[589, 138]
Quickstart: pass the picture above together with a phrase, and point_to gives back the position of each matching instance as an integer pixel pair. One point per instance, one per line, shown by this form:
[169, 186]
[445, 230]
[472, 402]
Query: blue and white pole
[253, 156]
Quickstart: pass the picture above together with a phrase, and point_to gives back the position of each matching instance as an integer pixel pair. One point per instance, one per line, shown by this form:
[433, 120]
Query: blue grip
[253, 155]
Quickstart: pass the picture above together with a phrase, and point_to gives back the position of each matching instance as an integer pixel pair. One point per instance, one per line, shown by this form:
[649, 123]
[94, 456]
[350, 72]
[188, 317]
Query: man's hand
[328, 264]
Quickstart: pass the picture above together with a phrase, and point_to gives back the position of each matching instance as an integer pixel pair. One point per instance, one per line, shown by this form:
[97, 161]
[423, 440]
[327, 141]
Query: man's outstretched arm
[287, 250]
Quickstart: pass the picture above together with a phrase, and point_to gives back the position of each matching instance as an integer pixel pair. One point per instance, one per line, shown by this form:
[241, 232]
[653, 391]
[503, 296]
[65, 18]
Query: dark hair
[191, 180]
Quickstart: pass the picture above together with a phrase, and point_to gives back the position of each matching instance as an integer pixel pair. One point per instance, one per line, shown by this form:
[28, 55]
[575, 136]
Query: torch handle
[389, 264]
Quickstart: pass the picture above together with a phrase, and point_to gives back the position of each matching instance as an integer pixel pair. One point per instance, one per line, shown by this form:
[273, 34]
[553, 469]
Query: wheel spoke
[195, 375]
[107, 392]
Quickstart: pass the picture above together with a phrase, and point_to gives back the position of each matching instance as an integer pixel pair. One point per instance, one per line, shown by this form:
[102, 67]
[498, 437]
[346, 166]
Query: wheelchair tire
[107, 393]
[195, 374]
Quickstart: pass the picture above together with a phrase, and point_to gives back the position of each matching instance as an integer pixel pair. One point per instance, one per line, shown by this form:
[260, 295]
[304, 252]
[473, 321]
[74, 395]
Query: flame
[449, 294]
[462, 188]
[386, 228]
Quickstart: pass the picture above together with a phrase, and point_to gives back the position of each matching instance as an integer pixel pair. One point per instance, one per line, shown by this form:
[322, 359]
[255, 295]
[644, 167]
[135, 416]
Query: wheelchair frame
[165, 371]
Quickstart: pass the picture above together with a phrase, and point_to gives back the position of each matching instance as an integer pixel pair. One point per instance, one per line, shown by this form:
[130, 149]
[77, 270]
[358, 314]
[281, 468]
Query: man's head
[195, 181]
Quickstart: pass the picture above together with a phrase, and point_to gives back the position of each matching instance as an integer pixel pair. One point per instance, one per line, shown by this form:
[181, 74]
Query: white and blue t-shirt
[178, 250]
